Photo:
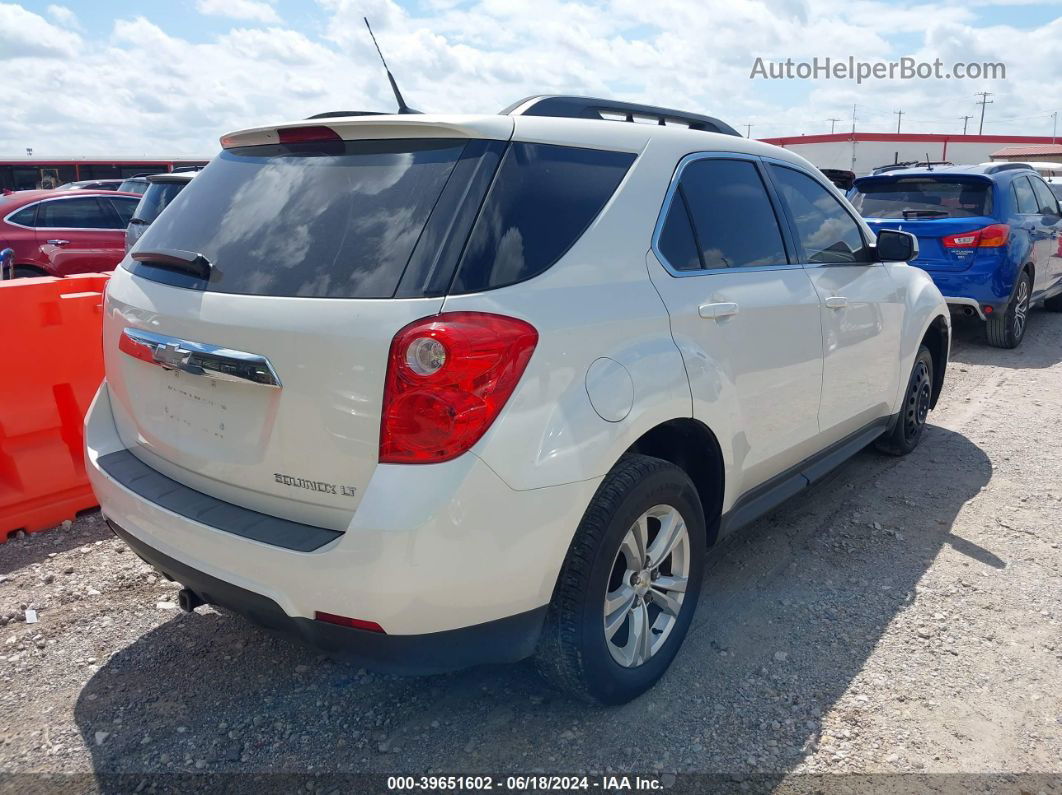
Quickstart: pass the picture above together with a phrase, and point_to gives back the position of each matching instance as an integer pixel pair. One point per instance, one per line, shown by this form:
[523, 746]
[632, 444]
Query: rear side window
[156, 199]
[1026, 199]
[828, 234]
[677, 243]
[733, 222]
[27, 216]
[83, 213]
[922, 197]
[542, 200]
[330, 221]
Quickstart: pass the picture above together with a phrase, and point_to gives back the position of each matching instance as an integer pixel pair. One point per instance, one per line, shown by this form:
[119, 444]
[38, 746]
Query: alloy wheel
[1021, 308]
[647, 586]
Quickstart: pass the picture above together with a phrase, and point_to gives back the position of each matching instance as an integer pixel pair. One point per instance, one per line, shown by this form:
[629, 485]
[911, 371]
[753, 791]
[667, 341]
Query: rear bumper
[955, 303]
[430, 550]
[504, 640]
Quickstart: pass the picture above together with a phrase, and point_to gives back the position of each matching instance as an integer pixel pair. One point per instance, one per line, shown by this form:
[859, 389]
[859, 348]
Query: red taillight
[448, 377]
[344, 621]
[992, 236]
[305, 135]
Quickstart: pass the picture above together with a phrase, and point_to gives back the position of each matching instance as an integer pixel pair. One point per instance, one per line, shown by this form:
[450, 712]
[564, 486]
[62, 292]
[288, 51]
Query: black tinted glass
[85, 213]
[826, 230]
[26, 216]
[1048, 205]
[677, 243]
[332, 221]
[1025, 197]
[156, 199]
[733, 220]
[124, 208]
[920, 197]
[543, 198]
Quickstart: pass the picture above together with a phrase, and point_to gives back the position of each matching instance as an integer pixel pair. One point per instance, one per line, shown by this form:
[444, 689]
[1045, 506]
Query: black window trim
[1017, 201]
[776, 206]
[830, 188]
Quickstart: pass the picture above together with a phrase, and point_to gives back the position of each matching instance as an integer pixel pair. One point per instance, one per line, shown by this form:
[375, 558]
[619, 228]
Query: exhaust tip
[188, 600]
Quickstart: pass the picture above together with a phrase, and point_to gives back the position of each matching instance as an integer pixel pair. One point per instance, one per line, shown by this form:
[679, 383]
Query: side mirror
[896, 246]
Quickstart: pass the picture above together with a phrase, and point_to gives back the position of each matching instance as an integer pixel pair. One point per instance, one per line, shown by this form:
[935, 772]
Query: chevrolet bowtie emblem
[171, 356]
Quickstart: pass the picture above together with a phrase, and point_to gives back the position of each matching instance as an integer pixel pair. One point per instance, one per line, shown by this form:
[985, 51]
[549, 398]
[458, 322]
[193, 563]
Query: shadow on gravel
[18, 553]
[1039, 349]
[791, 610]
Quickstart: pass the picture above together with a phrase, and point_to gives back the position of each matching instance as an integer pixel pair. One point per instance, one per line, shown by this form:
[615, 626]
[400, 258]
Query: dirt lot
[903, 617]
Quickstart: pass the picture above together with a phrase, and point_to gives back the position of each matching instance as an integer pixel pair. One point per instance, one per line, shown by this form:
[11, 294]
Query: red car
[56, 233]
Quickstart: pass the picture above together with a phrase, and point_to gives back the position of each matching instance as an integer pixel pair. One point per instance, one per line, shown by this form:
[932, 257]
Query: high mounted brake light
[306, 135]
[448, 378]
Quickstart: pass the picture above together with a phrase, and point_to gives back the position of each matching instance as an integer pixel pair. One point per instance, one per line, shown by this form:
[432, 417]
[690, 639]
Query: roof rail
[995, 169]
[612, 110]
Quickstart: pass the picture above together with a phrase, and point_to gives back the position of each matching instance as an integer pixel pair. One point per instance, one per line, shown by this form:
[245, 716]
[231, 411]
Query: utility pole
[853, 118]
[984, 95]
[1054, 127]
[748, 130]
[833, 124]
[853, 138]
[899, 118]
[965, 121]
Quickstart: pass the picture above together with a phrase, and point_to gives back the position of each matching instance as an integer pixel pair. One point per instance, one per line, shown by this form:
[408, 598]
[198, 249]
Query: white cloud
[251, 10]
[63, 16]
[24, 34]
[142, 89]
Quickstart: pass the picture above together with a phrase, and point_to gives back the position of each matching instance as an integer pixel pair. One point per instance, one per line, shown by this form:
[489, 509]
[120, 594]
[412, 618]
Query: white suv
[444, 390]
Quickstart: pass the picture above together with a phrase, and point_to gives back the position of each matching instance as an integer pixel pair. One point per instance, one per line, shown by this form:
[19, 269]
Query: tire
[1007, 329]
[574, 652]
[907, 432]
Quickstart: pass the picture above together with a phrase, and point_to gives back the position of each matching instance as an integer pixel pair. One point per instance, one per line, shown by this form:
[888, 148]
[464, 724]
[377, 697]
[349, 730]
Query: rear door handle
[836, 302]
[718, 310]
[58, 242]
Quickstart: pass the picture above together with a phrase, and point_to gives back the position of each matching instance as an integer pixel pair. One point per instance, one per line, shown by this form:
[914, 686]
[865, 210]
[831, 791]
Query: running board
[768, 496]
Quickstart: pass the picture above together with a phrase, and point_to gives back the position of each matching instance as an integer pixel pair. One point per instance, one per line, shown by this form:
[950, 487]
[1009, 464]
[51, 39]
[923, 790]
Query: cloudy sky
[170, 76]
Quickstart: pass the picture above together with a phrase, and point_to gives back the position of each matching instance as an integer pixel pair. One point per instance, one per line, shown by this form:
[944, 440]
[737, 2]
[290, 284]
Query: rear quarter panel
[924, 304]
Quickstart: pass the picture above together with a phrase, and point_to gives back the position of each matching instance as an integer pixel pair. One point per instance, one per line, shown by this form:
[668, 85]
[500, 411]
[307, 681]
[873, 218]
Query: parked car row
[82, 227]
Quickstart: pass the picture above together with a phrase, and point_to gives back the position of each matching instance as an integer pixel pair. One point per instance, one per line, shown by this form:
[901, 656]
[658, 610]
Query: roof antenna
[402, 106]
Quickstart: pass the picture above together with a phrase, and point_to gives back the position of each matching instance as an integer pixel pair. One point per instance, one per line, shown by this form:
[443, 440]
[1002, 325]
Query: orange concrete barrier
[51, 363]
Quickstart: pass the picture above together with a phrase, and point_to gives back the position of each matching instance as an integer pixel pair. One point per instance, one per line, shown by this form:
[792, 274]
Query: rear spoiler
[355, 128]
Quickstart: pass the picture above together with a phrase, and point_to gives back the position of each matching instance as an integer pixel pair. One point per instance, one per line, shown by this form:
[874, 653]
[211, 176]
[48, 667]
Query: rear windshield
[375, 219]
[156, 198]
[920, 197]
[133, 186]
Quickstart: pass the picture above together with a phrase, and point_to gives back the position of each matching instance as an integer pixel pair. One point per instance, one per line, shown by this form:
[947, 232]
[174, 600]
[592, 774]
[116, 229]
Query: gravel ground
[902, 618]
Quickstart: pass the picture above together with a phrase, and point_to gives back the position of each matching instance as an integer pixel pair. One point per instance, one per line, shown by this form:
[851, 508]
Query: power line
[984, 95]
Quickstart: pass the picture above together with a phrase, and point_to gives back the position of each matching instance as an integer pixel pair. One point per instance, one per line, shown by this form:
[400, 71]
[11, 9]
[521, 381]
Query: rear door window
[922, 197]
[1048, 205]
[122, 207]
[733, 221]
[828, 234]
[79, 213]
[543, 198]
[334, 220]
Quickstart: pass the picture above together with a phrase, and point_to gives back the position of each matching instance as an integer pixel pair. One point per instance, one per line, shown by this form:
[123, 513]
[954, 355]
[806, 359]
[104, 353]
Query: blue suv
[987, 234]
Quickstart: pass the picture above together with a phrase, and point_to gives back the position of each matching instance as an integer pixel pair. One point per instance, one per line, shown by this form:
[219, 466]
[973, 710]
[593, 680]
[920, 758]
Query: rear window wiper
[923, 213]
[177, 260]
